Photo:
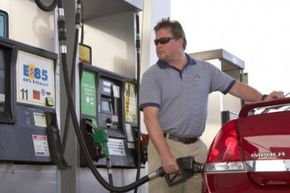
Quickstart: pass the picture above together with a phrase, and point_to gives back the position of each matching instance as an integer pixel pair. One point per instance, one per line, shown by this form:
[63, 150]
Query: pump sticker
[129, 132]
[40, 145]
[39, 119]
[116, 147]
[130, 103]
[88, 94]
[2, 98]
[35, 79]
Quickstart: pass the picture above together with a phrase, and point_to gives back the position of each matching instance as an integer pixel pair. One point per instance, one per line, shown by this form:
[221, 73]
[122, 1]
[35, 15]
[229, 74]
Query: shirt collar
[163, 65]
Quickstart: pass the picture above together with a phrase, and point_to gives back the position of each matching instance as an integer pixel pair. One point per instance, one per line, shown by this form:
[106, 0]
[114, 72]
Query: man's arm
[250, 94]
[168, 161]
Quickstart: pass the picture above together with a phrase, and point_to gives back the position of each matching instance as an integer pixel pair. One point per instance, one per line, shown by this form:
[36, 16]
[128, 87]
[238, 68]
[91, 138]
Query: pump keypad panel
[110, 111]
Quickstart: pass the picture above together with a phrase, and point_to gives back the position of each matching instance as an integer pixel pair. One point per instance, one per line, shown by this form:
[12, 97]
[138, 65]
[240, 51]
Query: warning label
[40, 145]
[116, 147]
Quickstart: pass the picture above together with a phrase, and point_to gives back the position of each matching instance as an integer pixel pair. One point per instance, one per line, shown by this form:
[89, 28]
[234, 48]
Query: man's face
[166, 46]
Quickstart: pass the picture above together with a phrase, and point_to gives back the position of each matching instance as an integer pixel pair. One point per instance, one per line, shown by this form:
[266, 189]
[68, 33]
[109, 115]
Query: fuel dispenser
[109, 103]
[28, 126]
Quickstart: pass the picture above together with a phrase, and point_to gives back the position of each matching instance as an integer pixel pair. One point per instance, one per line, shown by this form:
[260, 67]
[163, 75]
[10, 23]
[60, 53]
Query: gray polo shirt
[182, 96]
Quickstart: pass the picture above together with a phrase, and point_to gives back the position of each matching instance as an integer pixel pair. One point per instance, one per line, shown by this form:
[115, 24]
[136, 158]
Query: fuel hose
[46, 7]
[78, 25]
[138, 145]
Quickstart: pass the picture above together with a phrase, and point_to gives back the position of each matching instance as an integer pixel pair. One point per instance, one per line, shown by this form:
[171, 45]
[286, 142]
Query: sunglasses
[164, 40]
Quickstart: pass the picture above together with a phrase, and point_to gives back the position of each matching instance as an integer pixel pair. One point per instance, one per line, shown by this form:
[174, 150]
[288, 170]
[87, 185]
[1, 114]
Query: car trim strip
[248, 166]
[268, 165]
[221, 167]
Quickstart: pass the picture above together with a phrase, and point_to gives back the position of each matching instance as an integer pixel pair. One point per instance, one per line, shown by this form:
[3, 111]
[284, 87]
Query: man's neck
[179, 62]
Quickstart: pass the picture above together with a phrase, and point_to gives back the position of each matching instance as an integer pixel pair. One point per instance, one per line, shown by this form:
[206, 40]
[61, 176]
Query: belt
[185, 140]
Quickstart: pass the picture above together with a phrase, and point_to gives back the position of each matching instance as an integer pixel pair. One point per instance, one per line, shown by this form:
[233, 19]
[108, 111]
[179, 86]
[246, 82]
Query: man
[173, 97]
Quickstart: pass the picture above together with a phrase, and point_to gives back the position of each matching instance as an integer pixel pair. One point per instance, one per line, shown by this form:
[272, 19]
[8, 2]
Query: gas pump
[109, 101]
[28, 126]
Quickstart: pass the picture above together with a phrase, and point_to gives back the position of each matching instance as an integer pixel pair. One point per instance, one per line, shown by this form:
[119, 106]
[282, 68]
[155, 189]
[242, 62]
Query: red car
[251, 154]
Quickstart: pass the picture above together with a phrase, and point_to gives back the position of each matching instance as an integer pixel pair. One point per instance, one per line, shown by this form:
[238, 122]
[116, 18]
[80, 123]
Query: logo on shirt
[196, 76]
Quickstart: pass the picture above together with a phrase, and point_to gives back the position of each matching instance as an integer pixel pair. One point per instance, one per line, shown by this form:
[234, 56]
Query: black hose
[110, 173]
[76, 41]
[63, 54]
[138, 148]
[44, 7]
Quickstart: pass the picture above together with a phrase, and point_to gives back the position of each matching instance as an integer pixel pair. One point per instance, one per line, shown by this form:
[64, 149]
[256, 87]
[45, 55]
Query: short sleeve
[220, 81]
[150, 91]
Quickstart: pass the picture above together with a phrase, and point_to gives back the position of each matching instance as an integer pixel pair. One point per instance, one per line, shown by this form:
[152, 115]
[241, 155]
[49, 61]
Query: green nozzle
[100, 136]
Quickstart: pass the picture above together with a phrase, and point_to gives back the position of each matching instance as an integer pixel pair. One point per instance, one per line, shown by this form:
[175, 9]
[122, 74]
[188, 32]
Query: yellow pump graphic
[130, 103]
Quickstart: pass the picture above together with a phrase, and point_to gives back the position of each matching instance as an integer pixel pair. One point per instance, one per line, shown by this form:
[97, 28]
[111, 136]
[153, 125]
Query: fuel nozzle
[189, 164]
[188, 167]
[97, 140]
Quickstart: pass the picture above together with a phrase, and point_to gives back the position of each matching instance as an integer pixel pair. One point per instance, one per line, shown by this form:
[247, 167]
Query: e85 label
[33, 72]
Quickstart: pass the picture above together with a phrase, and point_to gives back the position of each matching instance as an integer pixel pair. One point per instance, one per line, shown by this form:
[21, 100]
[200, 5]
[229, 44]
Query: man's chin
[161, 56]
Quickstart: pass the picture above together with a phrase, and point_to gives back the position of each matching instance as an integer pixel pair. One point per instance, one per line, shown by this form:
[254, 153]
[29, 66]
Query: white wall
[112, 41]
[29, 24]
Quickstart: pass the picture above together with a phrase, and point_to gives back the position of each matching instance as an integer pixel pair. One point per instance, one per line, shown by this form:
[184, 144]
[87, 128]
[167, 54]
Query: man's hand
[274, 95]
[169, 164]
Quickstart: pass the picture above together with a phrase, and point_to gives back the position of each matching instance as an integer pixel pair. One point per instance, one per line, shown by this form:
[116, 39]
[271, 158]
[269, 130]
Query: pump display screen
[3, 24]
[2, 85]
[35, 79]
[106, 105]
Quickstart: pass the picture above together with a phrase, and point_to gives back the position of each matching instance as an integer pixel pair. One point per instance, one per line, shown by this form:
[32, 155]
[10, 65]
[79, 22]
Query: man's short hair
[175, 27]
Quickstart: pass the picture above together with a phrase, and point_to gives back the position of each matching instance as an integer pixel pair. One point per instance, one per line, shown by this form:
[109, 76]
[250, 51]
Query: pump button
[49, 101]
[109, 122]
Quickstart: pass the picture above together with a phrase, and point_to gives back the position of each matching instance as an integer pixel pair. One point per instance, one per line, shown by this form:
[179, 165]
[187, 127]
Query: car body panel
[264, 143]
[237, 183]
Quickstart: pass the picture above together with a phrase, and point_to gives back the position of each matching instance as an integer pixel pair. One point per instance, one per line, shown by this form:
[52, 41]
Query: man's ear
[180, 42]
